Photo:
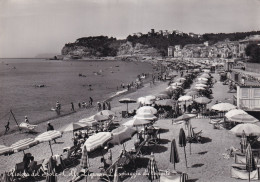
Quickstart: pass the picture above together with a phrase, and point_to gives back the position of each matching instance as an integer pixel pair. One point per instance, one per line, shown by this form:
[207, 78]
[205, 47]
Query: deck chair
[19, 171]
[153, 137]
[196, 137]
[173, 177]
[70, 156]
[241, 159]
[239, 171]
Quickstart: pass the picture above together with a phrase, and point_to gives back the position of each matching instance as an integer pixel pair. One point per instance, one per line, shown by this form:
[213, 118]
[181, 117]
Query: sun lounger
[240, 172]
[27, 127]
[196, 137]
[173, 177]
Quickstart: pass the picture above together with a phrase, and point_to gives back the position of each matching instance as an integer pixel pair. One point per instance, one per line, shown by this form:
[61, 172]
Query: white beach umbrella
[176, 84]
[145, 116]
[243, 118]
[203, 79]
[146, 109]
[185, 98]
[248, 128]
[234, 112]
[136, 122]
[200, 85]
[97, 140]
[223, 107]
[199, 88]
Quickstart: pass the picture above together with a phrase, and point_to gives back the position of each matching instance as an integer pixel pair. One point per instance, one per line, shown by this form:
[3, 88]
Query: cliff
[102, 46]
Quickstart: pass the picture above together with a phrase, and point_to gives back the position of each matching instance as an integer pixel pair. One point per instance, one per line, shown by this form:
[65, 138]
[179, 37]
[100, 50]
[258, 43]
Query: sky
[34, 27]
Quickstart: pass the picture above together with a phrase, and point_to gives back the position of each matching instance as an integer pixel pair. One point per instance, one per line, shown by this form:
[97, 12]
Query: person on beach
[104, 106]
[72, 106]
[50, 128]
[99, 106]
[7, 128]
[26, 120]
[79, 104]
[90, 101]
[58, 107]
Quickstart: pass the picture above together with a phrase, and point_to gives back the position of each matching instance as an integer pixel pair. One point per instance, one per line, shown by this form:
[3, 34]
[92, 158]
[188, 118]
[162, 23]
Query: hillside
[144, 45]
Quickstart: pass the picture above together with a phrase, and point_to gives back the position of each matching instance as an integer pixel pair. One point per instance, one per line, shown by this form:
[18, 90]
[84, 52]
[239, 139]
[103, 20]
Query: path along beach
[206, 163]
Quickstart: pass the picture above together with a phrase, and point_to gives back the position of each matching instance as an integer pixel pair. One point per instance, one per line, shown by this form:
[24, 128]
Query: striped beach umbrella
[48, 136]
[84, 163]
[153, 172]
[182, 142]
[5, 150]
[185, 98]
[243, 142]
[174, 155]
[200, 85]
[24, 144]
[247, 128]
[250, 161]
[234, 112]
[127, 101]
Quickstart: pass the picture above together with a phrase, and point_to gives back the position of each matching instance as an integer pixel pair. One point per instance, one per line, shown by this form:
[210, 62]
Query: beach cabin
[247, 96]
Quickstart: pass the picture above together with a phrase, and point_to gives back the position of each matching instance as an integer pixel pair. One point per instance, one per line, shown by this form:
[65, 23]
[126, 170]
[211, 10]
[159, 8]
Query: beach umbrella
[234, 112]
[185, 98]
[127, 101]
[51, 177]
[146, 109]
[106, 113]
[202, 100]
[4, 150]
[243, 118]
[192, 93]
[153, 172]
[243, 142]
[180, 79]
[205, 76]
[145, 116]
[200, 85]
[182, 142]
[190, 134]
[247, 128]
[185, 117]
[171, 88]
[97, 140]
[163, 96]
[150, 97]
[250, 161]
[166, 102]
[202, 82]
[199, 88]
[202, 78]
[174, 156]
[84, 162]
[121, 134]
[136, 122]
[48, 136]
[24, 144]
[176, 84]
[223, 107]
[98, 117]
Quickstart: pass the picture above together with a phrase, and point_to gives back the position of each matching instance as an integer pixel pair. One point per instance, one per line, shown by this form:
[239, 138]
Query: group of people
[84, 104]
[104, 105]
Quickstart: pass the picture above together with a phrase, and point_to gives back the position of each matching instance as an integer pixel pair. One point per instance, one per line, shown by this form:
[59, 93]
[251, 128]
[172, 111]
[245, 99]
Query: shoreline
[110, 98]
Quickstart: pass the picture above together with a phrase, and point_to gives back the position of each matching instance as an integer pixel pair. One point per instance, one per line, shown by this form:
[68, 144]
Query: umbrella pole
[190, 148]
[127, 108]
[174, 165]
[51, 148]
[249, 176]
[185, 156]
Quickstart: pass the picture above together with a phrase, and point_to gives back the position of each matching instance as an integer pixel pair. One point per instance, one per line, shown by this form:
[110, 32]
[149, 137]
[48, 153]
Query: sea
[62, 82]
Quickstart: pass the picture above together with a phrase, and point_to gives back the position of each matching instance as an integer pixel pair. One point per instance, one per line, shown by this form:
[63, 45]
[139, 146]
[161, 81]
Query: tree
[253, 51]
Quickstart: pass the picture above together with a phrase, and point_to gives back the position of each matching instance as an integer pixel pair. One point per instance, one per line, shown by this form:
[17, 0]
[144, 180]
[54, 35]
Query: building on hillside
[254, 39]
[206, 43]
[248, 90]
[170, 51]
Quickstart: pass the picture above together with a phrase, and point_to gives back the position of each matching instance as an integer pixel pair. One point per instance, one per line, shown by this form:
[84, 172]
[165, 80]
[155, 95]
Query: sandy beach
[206, 162]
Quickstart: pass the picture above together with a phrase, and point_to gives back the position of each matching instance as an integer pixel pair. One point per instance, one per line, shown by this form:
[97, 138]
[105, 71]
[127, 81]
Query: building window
[257, 93]
[245, 92]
